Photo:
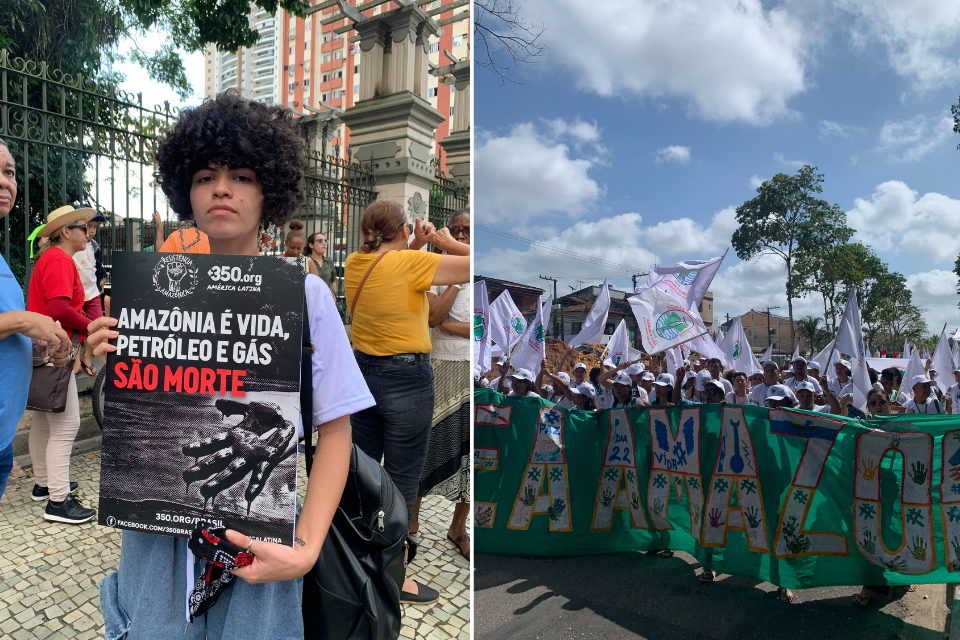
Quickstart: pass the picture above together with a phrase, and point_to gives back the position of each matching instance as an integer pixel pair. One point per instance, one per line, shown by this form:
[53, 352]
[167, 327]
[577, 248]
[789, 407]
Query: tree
[504, 38]
[787, 220]
[809, 329]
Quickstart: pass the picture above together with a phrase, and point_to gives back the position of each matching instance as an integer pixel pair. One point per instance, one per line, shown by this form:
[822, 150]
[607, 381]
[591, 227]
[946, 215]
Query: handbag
[353, 590]
[48, 382]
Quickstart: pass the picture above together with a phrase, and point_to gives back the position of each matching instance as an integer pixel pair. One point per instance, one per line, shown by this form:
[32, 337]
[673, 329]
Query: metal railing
[446, 198]
[78, 141]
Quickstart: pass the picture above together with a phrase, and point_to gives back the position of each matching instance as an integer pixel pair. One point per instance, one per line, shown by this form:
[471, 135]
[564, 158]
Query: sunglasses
[77, 226]
[877, 403]
[455, 231]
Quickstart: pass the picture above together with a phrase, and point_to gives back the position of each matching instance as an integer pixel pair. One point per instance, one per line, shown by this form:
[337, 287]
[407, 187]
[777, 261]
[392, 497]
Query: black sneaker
[42, 493]
[69, 511]
[424, 595]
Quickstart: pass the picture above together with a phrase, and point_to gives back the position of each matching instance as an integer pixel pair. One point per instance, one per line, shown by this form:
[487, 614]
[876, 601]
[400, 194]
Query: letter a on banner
[547, 465]
[619, 465]
[792, 540]
[916, 554]
[735, 471]
[950, 499]
[676, 461]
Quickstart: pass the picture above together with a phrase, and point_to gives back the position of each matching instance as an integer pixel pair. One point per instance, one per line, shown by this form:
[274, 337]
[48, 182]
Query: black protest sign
[202, 396]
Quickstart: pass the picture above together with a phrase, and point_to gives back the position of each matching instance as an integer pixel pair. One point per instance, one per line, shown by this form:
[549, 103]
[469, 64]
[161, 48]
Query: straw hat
[59, 218]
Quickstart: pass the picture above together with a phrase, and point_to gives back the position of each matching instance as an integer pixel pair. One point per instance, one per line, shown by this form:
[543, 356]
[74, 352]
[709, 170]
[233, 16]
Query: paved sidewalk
[49, 572]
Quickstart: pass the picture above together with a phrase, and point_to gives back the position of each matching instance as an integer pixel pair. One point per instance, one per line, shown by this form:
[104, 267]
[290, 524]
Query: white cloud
[729, 60]
[894, 218]
[910, 140]
[673, 153]
[936, 293]
[920, 37]
[689, 239]
[579, 130]
[790, 164]
[526, 173]
[830, 129]
[756, 181]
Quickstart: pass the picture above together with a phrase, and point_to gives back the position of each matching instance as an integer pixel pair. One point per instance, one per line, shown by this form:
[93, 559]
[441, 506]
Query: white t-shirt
[758, 395]
[932, 406]
[495, 383]
[732, 398]
[338, 386]
[632, 402]
[604, 399]
[642, 395]
[86, 262]
[954, 394]
[447, 346]
[792, 383]
[530, 394]
[840, 390]
[560, 400]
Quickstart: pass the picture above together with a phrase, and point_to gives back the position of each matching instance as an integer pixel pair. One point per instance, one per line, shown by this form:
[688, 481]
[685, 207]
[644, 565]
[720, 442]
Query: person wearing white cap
[606, 379]
[524, 384]
[806, 397]
[692, 385]
[503, 371]
[666, 390]
[557, 395]
[584, 396]
[713, 392]
[697, 365]
[800, 375]
[923, 401]
[842, 384]
[778, 396]
[646, 384]
[579, 373]
[622, 392]
[771, 376]
[953, 394]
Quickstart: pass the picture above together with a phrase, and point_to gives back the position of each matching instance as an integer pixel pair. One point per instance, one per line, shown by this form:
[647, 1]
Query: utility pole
[634, 278]
[562, 323]
[769, 341]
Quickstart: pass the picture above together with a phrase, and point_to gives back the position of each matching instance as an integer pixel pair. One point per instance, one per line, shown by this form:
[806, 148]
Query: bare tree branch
[507, 39]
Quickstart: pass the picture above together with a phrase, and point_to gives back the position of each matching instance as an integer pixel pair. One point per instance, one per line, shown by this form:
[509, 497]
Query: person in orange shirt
[190, 240]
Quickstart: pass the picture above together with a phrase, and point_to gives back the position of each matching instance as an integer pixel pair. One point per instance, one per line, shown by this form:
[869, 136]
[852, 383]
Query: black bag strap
[306, 388]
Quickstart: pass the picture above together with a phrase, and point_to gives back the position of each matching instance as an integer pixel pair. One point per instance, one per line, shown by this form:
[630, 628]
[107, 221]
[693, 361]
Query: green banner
[794, 498]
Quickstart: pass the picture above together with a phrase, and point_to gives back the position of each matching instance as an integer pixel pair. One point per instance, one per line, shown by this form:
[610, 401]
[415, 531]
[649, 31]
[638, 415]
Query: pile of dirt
[588, 354]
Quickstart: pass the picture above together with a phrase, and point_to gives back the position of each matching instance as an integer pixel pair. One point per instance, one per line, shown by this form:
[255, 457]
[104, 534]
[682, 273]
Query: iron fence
[446, 198]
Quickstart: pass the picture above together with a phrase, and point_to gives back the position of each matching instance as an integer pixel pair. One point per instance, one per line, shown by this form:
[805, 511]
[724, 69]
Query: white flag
[827, 368]
[618, 348]
[914, 368]
[481, 327]
[766, 355]
[532, 348]
[738, 351]
[850, 341]
[686, 281]
[719, 337]
[926, 355]
[906, 349]
[956, 336]
[706, 347]
[664, 321]
[943, 363]
[796, 353]
[506, 322]
[592, 330]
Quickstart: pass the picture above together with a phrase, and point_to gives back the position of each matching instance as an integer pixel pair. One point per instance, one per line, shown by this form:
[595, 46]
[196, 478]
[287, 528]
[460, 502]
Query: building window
[306, 44]
[432, 93]
[435, 47]
[356, 89]
[338, 36]
[290, 87]
[451, 110]
[291, 49]
[338, 74]
[326, 37]
[575, 327]
[326, 77]
[325, 97]
[309, 25]
[290, 73]
[356, 48]
[458, 41]
[338, 55]
[326, 57]
[435, 4]
[453, 89]
[293, 32]
[337, 93]
[306, 83]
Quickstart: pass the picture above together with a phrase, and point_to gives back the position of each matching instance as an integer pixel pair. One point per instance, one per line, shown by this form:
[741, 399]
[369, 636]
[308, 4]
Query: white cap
[563, 375]
[702, 378]
[764, 363]
[788, 370]
[665, 380]
[845, 363]
[548, 388]
[609, 363]
[648, 375]
[781, 392]
[806, 385]
[522, 374]
[689, 375]
[716, 384]
[694, 362]
[800, 359]
[920, 379]
[477, 371]
[586, 389]
[623, 378]
[579, 365]
[814, 365]
[635, 369]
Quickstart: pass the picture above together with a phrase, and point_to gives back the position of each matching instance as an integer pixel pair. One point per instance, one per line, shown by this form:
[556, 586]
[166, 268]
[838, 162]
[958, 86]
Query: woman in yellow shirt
[391, 341]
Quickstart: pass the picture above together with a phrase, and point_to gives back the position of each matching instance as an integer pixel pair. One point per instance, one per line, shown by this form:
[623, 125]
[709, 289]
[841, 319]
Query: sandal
[785, 596]
[459, 542]
[89, 369]
[863, 601]
[912, 588]
[708, 576]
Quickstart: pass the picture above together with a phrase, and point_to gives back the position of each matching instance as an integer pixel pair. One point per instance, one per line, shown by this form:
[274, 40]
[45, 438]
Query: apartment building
[304, 62]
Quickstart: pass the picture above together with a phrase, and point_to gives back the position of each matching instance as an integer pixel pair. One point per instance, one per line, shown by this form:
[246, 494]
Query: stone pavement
[49, 572]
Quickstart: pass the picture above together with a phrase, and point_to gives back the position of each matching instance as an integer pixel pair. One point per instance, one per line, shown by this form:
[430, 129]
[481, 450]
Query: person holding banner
[233, 166]
[953, 394]
[740, 394]
[771, 376]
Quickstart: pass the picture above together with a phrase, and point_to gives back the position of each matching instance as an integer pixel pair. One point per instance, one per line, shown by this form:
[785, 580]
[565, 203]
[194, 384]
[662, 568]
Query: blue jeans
[6, 465]
[145, 599]
[397, 428]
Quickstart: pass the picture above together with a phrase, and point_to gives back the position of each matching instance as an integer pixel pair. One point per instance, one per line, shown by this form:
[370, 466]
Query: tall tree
[809, 329]
[788, 220]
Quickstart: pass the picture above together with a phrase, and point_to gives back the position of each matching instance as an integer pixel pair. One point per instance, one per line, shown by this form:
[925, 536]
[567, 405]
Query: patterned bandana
[221, 555]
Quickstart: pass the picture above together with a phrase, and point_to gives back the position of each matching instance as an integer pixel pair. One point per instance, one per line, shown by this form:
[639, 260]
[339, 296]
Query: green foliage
[788, 219]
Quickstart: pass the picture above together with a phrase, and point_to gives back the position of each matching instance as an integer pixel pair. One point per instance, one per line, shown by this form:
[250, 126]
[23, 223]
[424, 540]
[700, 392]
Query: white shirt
[642, 395]
[495, 383]
[840, 390]
[732, 398]
[604, 399]
[86, 262]
[932, 406]
[530, 394]
[793, 382]
[954, 394]
[447, 346]
[758, 395]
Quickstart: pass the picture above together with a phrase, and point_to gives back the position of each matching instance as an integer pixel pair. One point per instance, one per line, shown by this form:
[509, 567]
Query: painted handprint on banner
[753, 517]
[869, 470]
[919, 550]
[918, 472]
[869, 542]
[715, 520]
[255, 446]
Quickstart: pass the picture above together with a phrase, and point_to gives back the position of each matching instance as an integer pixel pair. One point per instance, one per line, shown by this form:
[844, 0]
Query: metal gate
[446, 198]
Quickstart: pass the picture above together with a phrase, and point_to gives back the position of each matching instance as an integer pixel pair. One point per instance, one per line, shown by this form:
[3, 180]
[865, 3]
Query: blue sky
[644, 124]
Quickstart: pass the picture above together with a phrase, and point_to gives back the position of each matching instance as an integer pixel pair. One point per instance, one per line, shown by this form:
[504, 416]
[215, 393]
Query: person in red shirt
[56, 291]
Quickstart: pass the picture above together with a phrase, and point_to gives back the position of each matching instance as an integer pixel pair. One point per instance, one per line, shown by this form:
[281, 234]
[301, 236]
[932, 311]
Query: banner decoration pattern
[791, 497]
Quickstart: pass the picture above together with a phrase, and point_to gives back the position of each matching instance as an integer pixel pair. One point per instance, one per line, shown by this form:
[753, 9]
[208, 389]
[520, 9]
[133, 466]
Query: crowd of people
[398, 387]
[796, 384]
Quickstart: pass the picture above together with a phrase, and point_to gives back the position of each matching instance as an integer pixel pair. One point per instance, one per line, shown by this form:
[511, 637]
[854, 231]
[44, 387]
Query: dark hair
[892, 373]
[737, 374]
[308, 250]
[381, 222]
[241, 134]
[296, 231]
[594, 374]
[873, 376]
[458, 212]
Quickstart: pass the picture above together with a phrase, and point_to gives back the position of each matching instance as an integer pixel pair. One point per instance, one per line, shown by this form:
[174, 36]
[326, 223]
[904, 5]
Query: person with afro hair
[233, 167]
